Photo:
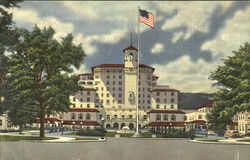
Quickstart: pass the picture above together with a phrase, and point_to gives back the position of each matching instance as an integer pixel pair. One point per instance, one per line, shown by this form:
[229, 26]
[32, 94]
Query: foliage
[91, 132]
[80, 138]
[233, 83]
[39, 81]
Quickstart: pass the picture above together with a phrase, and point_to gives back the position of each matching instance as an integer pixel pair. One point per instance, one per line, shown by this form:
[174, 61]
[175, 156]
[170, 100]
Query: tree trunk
[42, 117]
[20, 129]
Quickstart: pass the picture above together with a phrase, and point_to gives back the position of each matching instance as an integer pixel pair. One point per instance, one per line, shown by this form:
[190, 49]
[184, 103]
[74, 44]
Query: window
[74, 99]
[102, 88]
[130, 116]
[172, 99]
[145, 117]
[149, 89]
[173, 117]
[96, 88]
[114, 82]
[165, 117]
[88, 93]
[165, 107]
[200, 116]
[80, 116]
[120, 76]
[88, 99]
[107, 76]
[120, 82]
[107, 94]
[81, 100]
[108, 70]
[1, 122]
[108, 116]
[96, 76]
[81, 93]
[120, 70]
[120, 95]
[87, 116]
[172, 106]
[108, 83]
[158, 100]
[88, 105]
[143, 89]
[115, 116]
[120, 89]
[102, 94]
[114, 75]
[123, 116]
[148, 101]
[157, 106]
[119, 101]
[148, 95]
[74, 105]
[158, 117]
[165, 100]
[100, 116]
[108, 89]
[157, 93]
[185, 118]
[81, 105]
[172, 93]
[113, 88]
[73, 116]
[107, 101]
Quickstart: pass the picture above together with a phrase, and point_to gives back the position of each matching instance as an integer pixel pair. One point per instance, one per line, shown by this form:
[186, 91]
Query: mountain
[193, 100]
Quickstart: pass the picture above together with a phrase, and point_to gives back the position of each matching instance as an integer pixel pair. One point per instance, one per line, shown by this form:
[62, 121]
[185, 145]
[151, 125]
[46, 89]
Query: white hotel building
[111, 90]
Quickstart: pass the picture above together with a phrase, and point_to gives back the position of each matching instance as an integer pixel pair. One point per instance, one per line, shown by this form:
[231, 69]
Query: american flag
[146, 18]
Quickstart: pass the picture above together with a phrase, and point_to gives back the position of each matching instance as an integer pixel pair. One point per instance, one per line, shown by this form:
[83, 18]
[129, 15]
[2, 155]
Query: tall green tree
[39, 74]
[233, 83]
[8, 34]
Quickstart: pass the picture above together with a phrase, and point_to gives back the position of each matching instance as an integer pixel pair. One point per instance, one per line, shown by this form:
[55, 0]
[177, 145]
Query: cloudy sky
[187, 44]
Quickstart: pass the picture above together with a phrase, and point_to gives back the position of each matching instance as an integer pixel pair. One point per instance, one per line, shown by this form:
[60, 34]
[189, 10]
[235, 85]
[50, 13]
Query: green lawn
[244, 140]
[112, 134]
[208, 140]
[18, 138]
[85, 138]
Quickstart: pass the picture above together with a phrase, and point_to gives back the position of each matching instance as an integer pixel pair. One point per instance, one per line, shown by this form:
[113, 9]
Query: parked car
[233, 134]
[210, 133]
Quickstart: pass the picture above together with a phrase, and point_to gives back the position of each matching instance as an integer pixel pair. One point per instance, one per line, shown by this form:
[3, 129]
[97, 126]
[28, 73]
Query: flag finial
[131, 37]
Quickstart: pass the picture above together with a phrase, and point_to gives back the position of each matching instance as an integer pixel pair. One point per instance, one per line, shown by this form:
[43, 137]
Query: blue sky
[187, 44]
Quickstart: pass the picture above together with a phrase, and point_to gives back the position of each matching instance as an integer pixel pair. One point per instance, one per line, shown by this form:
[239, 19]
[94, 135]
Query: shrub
[90, 132]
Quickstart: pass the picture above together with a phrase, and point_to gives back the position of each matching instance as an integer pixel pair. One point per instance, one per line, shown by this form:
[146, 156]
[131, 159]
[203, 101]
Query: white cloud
[32, 17]
[234, 34]
[158, 47]
[82, 69]
[110, 38]
[185, 75]
[177, 36]
[193, 15]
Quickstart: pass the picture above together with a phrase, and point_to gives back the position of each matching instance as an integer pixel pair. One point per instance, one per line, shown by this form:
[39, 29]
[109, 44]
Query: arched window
[165, 117]
[131, 56]
[131, 95]
[158, 117]
[80, 116]
[87, 116]
[73, 116]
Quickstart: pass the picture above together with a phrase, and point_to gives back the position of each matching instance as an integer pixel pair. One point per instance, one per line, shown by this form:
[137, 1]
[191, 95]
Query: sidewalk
[230, 141]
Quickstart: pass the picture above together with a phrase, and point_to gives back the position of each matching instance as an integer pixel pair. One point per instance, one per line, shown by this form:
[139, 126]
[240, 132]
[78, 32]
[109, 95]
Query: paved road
[122, 149]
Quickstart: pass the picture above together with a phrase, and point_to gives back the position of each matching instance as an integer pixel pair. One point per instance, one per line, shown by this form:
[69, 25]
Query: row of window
[80, 116]
[108, 89]
[165, 117]
[172, 100]
[165, 93]
[165, 107]
[123, 117]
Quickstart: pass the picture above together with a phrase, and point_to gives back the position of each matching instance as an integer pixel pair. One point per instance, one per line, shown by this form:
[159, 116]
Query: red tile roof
[83, 110]
[154, 76]
[88, 89]
[167, 111]
[199, 122]
[210, 104]
[165, 124]
[48, 120]
[119, 66]
[84, 123]
[130, 48]
[165, 90]
[85, 74]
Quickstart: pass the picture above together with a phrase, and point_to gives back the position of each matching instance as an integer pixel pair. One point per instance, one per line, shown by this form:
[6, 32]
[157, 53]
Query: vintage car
[233, 134]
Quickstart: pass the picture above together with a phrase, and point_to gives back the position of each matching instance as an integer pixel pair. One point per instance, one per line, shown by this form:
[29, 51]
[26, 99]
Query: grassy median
[19, 138]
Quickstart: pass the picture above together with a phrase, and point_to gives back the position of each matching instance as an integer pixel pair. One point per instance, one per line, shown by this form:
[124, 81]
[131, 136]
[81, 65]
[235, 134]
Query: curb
[221, 142]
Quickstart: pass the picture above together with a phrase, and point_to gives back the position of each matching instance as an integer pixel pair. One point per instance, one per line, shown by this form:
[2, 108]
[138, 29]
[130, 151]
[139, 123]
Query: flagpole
[137, 134]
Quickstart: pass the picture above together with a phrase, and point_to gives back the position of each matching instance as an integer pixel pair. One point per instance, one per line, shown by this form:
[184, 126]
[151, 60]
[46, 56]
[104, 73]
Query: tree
[233, 83]
[39, 75]
[8, 34]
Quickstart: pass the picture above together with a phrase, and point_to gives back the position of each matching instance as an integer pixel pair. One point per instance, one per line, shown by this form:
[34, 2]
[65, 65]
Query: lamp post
[62, 126]
[81, 124]
[102, 119]
[192, 131]
[73, 127]
[206, 128]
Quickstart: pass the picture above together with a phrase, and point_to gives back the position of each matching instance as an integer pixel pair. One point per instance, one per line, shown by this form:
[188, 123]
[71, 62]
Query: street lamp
[192, 131]
[206, 128]
[102, 119]
[62, 126]
[73, 127]
[170, 129]
[81, 124]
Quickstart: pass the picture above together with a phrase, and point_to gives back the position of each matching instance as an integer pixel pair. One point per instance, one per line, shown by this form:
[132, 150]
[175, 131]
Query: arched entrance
[115, 125]
[122, 125]
[131, 126]
[108, 126]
